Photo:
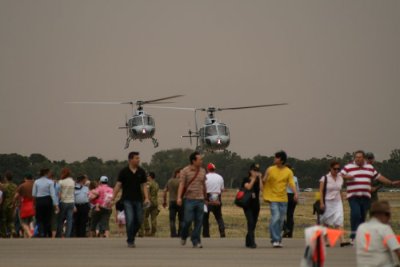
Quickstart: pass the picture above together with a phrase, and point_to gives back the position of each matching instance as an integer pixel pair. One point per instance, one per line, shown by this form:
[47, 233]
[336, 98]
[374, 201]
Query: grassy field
[235, 221]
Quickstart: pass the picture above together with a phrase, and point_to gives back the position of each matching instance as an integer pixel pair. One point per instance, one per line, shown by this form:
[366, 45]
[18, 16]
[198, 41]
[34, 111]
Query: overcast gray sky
[337, 64]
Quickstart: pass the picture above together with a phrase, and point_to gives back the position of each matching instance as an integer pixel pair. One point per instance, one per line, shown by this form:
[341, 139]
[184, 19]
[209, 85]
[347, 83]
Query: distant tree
[395, 156]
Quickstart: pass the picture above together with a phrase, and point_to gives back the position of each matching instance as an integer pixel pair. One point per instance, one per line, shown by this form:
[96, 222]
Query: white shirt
[214, 183]
[296, 182]
[333, 187]
[377, 251]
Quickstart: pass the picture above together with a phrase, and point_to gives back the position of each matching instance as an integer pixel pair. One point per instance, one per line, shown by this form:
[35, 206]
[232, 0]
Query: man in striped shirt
[359, 176]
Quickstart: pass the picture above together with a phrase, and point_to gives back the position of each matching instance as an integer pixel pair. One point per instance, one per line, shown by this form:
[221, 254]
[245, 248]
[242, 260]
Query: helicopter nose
[219, 141]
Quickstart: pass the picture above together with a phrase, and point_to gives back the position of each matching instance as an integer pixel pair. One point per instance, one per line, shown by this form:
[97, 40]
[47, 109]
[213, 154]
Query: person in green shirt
[172, 189]
[7, 208]
[376, 185]
[152, 211]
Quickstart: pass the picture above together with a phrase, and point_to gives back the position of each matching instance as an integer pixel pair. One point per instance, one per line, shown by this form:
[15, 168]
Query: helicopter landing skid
[155, 142]
[128, 140]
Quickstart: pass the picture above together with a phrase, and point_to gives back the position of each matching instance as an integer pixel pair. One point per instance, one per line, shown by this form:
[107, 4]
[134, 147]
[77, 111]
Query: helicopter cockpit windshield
[211, 130]
[223, 130]
[137, 121]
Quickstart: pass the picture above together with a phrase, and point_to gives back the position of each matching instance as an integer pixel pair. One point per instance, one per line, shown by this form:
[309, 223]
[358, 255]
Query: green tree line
[229, 164]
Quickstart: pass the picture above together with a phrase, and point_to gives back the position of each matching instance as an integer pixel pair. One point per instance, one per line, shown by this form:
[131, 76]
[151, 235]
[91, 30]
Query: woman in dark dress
[253, 183]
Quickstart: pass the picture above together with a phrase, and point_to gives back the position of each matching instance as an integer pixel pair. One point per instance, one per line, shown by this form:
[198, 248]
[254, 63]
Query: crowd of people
[78, 207]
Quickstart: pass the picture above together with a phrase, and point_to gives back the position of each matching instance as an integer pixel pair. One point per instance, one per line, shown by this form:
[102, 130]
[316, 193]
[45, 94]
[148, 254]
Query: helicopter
[141, 125]
[213, 135]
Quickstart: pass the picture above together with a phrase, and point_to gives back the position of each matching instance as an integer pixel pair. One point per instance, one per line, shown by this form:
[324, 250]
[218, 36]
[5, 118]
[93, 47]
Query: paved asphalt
[229, 252]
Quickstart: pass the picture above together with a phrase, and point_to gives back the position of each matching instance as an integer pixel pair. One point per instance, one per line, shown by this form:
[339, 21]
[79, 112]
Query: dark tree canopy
[229, 164]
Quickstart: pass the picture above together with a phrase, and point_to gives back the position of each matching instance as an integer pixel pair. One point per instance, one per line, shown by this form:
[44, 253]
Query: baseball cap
[255, 167]
[210, 167]
[103, 179]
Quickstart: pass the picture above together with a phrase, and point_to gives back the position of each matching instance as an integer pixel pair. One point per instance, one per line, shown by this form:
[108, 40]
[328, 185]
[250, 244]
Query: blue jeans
[359, 207]
[134, 218]
[278, 214]
[66, 213]
[193, 212]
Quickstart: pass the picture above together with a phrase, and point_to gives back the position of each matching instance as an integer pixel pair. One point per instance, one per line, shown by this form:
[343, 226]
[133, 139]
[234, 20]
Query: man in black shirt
[132, 179]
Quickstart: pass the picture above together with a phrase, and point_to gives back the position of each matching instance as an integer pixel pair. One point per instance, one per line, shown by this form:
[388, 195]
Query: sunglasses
[336, 169]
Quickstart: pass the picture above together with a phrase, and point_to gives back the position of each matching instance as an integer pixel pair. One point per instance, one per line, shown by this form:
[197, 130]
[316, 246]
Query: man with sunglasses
[359, 176]
[377, 244]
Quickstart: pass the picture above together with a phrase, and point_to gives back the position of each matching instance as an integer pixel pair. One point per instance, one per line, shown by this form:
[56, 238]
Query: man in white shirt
[376, 242]
[215, 187]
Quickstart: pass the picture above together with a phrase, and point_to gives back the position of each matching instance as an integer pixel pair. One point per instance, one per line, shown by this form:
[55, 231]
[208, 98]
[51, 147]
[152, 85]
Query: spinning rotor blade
[258, 106]
[175, 108]
[97, 103]
[160, 99]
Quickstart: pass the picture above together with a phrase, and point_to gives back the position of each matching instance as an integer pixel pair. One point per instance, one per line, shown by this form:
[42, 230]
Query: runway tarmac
[229, 252]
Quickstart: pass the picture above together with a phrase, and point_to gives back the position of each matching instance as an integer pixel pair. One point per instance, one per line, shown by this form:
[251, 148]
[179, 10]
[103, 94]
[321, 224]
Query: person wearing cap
[376, 185]
[215, 187]
[253, 183]
[27, 209]
[376, 243]
[101, 217]
[67, 203]
[276, 180]
[132, 179]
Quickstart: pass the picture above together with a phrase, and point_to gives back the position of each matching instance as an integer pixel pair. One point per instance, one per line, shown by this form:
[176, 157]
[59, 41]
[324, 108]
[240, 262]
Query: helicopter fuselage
[141, 126]
[214, 137]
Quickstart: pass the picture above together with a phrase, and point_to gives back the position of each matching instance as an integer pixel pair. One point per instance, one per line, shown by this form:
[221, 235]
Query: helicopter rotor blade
[160, 99]
[97, 103]
[257, 106]
[161, 103]
[175, 108]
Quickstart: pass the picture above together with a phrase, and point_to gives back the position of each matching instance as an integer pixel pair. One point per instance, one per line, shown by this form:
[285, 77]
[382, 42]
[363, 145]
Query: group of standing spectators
[49, 208]
[46, 207]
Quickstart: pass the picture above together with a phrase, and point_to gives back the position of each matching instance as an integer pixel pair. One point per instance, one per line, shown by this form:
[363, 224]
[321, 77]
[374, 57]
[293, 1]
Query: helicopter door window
[150, 121]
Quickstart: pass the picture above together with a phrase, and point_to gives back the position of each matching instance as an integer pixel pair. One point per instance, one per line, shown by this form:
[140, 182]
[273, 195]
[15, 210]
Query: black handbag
[119, 206]
[322, 198]
[243, 197]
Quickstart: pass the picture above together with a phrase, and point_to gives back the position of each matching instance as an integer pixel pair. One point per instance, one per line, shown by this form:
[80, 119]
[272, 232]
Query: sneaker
[131, 245]
[352, 242]
[198, 245]
[276, 244]
[280, 245]
[183, 242]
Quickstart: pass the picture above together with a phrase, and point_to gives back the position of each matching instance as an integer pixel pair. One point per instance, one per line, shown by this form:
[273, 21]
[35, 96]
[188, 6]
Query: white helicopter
[141, 125]
[213, 135]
